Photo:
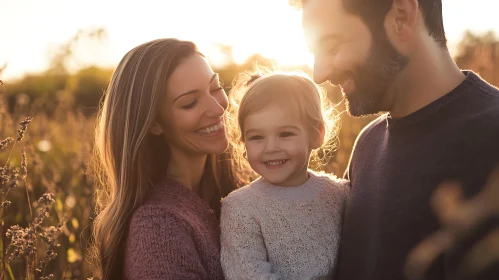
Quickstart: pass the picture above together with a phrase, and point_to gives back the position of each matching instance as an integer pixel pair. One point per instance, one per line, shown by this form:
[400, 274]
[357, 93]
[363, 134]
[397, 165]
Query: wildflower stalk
[4, 143]
[6, 178]
[2, 263]
[20, 135]
[9, 270]
[24, 241]
[24, 176]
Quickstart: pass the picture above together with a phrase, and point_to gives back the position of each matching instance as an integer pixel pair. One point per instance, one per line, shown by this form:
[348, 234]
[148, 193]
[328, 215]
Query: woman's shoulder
[167, 202]
[151, 214]
[159, 242]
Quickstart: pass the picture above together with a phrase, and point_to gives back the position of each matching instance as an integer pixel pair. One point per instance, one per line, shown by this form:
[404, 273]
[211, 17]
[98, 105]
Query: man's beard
[373, 80]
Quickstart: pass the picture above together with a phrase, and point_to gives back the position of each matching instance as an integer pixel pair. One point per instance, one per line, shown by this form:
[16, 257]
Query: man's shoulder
[485, 109]
[488, 95]
[483, 86]
[377, 125]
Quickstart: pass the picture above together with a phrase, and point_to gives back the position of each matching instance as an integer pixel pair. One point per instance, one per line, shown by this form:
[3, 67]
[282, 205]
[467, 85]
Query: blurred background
[56, 58]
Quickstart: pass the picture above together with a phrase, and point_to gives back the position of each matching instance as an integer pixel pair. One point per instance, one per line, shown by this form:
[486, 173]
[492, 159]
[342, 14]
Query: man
[441, 123]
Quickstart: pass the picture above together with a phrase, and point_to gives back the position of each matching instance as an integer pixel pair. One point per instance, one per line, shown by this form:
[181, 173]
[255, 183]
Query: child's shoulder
[330, 181]
[246, 193]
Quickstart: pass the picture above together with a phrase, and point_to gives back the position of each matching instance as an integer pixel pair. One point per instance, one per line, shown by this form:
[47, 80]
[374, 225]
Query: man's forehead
[322, 18]
[323, 8]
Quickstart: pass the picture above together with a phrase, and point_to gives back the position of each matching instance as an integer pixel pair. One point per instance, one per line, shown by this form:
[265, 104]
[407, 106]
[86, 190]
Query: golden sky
[32, 28]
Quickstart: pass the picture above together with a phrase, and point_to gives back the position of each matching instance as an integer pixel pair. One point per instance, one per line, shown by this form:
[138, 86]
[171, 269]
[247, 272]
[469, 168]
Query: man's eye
[333, 51]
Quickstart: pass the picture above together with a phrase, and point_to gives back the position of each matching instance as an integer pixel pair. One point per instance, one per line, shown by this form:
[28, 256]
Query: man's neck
[430, 74]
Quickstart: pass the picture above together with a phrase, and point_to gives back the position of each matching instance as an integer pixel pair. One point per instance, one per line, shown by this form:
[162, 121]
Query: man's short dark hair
[373, 13]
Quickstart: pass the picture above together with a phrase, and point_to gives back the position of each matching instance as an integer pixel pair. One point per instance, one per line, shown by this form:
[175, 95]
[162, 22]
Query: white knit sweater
[272, 232]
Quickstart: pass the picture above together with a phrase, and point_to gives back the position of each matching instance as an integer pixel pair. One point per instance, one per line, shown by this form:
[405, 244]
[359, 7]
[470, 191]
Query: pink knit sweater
[174, 235]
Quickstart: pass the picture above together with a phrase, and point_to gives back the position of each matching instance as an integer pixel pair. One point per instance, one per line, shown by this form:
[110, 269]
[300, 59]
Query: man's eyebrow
[329, 37]
[195, 90]
[314, 47]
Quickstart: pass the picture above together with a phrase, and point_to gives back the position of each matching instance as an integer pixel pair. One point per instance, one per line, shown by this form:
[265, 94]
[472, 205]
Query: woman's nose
[215, 107]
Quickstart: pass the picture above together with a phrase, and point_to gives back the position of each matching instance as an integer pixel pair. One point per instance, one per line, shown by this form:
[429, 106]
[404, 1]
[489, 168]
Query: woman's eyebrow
[196, 90]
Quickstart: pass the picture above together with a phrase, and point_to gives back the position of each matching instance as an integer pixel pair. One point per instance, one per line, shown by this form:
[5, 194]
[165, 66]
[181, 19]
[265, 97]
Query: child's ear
[318, 138]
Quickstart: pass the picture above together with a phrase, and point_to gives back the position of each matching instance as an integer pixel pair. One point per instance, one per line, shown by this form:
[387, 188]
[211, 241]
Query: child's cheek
[252, 154]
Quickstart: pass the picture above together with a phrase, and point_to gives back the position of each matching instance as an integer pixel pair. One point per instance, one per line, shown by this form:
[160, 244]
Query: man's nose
[321, 71]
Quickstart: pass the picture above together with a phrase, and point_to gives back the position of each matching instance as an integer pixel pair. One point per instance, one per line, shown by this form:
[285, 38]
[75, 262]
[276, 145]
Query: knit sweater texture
[396, 167]
[173, 235]
[273, 232]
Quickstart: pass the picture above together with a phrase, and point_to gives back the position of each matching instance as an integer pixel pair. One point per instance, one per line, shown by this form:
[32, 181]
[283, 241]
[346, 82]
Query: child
[286, 224]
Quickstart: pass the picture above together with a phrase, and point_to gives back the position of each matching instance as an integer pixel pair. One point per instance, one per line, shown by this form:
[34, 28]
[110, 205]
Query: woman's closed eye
[216, 90]
[190, 105]
[217, 87]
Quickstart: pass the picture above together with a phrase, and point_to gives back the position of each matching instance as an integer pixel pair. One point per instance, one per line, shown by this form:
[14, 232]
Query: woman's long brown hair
[128, 159]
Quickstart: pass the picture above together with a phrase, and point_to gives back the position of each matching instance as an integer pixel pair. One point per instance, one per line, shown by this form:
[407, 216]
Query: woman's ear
[318, 138]
[156, 129]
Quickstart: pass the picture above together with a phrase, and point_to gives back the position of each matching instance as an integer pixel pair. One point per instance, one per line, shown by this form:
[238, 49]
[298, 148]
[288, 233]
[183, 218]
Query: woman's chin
[217, 148]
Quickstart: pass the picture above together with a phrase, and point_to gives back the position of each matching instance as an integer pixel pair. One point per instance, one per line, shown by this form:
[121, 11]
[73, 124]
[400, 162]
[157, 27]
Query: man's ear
[401, 21]
[318, 138]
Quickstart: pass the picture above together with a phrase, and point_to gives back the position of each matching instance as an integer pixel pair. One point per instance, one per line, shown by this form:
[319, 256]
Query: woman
[158, 135]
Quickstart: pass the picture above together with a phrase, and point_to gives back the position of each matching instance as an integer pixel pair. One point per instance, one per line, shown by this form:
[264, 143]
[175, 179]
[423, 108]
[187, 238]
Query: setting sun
[270, 28]
[278, 37]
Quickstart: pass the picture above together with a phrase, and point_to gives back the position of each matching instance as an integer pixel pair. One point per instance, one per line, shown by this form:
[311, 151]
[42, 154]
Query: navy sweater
[394, 169]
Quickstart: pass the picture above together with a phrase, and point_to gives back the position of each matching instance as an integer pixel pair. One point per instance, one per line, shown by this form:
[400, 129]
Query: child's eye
[190, 105]
[286, 134]
[255, 137]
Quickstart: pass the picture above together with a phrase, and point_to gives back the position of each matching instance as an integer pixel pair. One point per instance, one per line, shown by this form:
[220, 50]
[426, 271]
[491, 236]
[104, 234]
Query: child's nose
[271, 145]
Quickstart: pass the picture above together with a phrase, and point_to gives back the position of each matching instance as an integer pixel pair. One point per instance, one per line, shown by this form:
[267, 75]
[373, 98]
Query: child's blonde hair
[253, 91]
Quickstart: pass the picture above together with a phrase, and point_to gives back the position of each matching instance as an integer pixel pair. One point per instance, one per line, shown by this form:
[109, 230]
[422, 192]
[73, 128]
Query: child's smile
[277, 144]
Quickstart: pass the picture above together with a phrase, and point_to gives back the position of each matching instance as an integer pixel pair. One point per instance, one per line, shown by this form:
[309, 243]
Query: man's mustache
[338, 78]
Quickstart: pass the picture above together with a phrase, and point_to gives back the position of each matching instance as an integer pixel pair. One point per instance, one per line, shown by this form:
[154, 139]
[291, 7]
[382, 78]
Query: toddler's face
[278, 144]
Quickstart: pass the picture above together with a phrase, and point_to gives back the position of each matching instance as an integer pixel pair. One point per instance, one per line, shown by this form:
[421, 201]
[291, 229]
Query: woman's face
[191, 112]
